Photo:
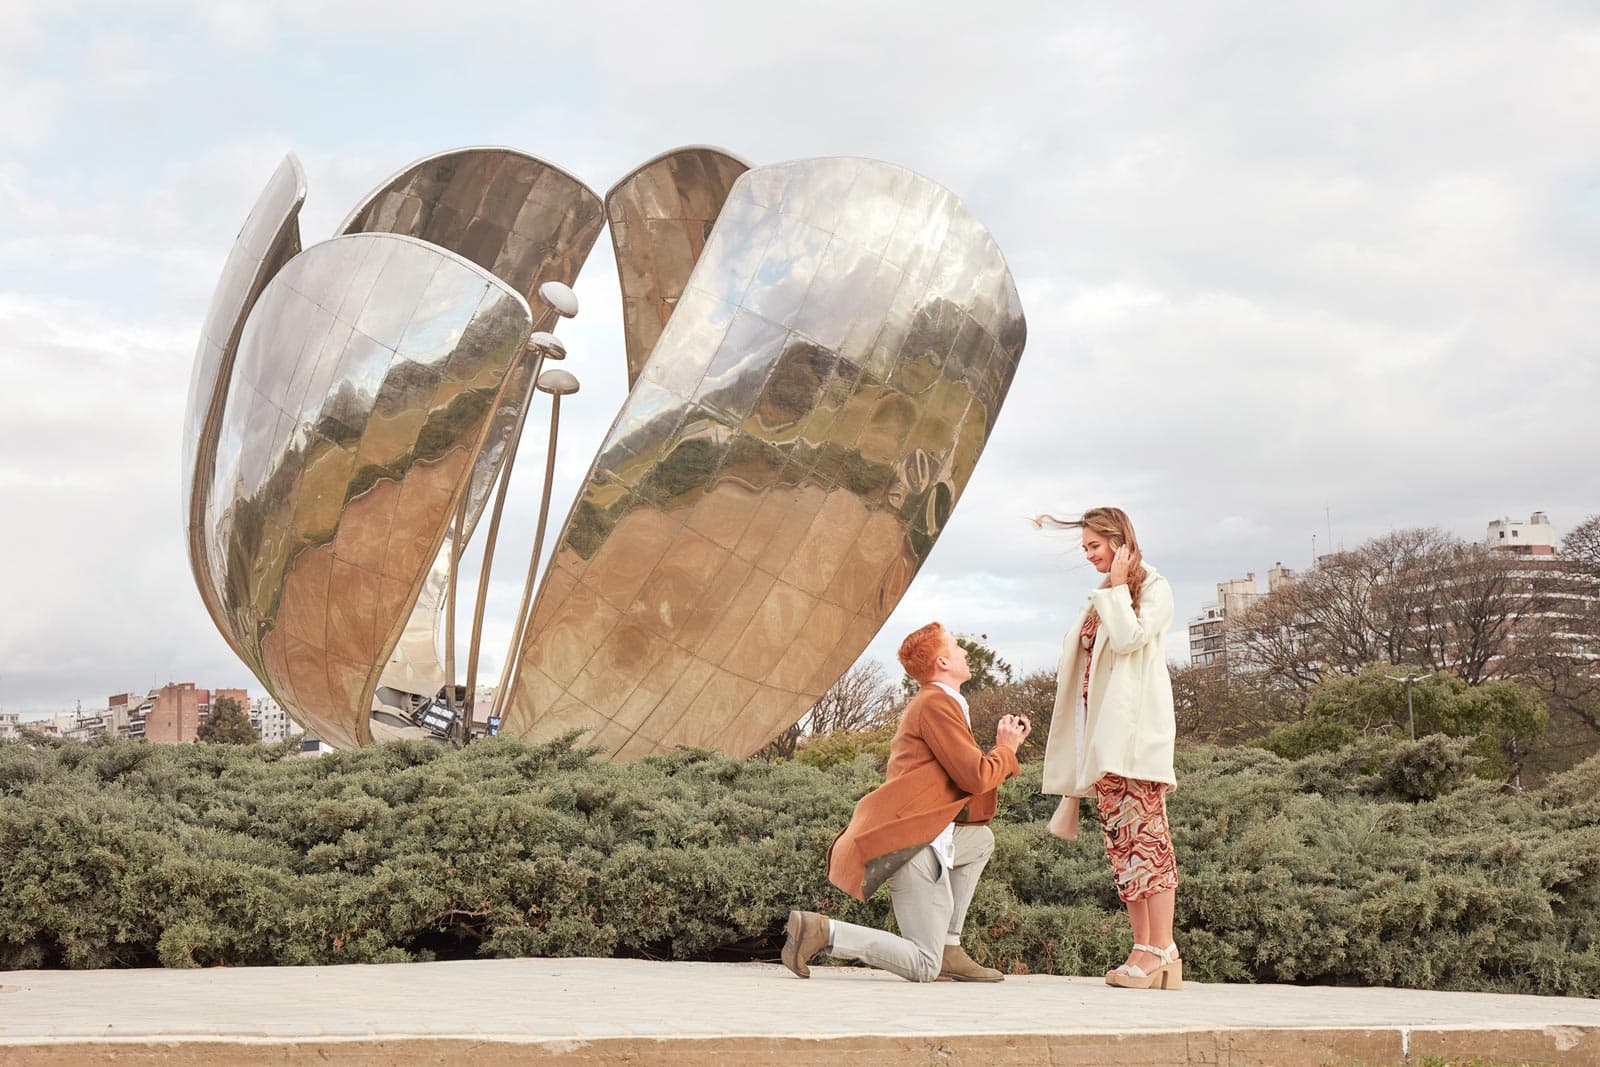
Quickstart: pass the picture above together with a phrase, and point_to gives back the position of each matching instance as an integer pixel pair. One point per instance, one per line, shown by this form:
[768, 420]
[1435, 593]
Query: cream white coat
[1130, 725]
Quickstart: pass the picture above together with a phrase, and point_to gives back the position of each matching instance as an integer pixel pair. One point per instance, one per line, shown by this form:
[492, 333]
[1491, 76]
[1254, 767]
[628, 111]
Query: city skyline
[1286, 273]
[1179, 635]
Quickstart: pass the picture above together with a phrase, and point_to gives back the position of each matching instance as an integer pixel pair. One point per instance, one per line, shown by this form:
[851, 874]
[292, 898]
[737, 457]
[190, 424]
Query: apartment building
[175, 717]
[1208, 631]
[1543, 588]
[272, 724]
[1536, 537]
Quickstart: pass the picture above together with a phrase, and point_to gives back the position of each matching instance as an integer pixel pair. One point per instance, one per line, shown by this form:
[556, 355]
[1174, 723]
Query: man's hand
[1012, 731]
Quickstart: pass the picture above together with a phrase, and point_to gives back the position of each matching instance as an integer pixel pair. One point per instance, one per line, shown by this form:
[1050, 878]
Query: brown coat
[936, 772]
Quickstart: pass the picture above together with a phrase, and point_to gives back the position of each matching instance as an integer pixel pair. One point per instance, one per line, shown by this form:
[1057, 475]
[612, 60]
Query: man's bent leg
[974, 846]
[921, 892]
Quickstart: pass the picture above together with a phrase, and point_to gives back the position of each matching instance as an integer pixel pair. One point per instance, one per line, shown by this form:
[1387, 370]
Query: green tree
[1502, 718]
[227, 725]
[988, 669]
[1383, 863]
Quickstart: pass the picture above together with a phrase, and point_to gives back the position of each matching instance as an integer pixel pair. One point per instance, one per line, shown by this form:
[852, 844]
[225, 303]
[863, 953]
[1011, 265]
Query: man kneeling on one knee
[925, 830]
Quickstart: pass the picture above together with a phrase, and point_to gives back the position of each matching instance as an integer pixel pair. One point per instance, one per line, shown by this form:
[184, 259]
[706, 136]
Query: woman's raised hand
[1121, 565]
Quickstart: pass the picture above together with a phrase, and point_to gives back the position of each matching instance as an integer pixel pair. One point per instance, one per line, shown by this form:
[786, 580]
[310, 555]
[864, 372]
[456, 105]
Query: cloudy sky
[1290, 270]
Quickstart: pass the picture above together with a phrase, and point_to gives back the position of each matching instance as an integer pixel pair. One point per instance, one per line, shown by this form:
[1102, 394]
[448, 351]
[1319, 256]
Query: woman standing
[1112, 737]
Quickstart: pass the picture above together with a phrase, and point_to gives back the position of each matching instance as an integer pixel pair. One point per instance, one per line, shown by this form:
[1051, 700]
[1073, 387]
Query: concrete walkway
[594, 1011]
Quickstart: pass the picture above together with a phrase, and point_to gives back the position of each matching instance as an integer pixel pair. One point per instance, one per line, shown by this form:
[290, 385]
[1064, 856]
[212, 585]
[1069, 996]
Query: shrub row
[1384, 863]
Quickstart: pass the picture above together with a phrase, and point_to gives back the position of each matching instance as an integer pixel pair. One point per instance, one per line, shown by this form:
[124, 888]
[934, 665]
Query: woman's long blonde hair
[1114, 525]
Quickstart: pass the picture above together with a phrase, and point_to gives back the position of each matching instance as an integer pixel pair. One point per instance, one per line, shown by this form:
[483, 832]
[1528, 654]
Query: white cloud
[1274, 261]
[102, 598]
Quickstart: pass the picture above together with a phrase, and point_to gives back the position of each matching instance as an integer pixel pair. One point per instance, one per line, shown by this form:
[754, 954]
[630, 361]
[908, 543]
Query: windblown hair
[1114, 525]
[921, 649]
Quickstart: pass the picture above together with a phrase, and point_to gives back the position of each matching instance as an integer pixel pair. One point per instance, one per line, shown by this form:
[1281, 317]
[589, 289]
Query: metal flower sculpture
[816, 350]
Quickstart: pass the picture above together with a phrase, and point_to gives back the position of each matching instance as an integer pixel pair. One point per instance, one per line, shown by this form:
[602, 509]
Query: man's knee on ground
[926, 968]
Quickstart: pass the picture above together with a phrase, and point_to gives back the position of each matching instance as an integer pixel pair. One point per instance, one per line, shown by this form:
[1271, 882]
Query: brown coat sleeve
[949, 738]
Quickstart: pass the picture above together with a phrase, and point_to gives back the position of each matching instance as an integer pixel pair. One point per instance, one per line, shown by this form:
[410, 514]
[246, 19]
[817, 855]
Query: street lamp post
[545, 346]
[558, 383]
[542, 345]
[1411, 715]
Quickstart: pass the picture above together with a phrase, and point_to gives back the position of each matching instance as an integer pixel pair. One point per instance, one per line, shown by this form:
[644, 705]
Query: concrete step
[601, 1011]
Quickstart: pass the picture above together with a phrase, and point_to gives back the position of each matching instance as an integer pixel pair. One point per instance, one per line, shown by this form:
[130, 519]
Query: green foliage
[988, 669]
[1299, 739]
[227, 725]
[1501, 717]
[1330, 870]
[1383, 862]
[829, 750]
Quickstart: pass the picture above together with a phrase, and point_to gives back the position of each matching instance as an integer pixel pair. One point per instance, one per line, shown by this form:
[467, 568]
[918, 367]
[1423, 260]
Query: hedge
[1384, 863]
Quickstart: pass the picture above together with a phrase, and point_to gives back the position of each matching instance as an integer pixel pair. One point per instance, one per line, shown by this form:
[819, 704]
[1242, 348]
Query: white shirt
[944, 846]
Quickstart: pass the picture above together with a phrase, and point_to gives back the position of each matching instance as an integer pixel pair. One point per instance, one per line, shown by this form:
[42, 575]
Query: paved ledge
[593, 1011]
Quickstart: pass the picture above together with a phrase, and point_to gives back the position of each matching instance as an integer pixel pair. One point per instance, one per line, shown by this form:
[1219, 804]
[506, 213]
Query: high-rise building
[1209, 632]
[1544, 596]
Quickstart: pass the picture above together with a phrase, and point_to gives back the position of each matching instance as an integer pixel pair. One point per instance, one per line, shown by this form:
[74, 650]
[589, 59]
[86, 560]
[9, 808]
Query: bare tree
[1557, 648]
[1560, 656]
[1217, 706]
[1481, 600]
[1408, 567]
[864, 697]
[1581, 547]
[1409, 597]
[1033, 695]
[1337, 605]
[1272, 642]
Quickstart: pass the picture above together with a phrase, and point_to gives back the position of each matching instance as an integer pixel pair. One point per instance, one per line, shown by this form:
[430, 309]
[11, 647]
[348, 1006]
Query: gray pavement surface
[567, 1007]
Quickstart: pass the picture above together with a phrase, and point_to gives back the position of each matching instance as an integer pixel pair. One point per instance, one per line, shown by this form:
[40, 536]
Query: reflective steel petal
[270, 236]
[806, 421]
[660, 216]
[528, 222]
[368, 375]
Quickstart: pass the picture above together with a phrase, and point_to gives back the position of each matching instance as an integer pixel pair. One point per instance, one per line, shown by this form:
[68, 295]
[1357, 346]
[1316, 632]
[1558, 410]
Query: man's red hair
[920, 651]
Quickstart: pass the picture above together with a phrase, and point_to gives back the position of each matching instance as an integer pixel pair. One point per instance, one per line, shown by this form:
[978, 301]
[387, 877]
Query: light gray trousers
[930, 903]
